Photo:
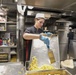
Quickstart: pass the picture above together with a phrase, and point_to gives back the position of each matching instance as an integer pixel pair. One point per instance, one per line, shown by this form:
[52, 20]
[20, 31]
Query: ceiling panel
[54, 4]
[46, 3]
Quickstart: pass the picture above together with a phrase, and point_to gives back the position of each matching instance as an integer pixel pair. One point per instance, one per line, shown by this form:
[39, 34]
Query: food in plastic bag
[34, 65]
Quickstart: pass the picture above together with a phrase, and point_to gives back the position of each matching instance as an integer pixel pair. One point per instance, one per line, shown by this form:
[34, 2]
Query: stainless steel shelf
[8, 46]
[3, 22]
[3, 60]
[11, 22]
[3, 52]
[2, 30]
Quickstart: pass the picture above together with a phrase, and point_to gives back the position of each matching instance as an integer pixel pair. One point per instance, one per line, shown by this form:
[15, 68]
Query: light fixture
[30, 7]
[16, 0]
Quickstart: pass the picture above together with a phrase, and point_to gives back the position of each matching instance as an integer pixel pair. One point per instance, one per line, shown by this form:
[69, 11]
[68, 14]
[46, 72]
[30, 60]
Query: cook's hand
[45, 40]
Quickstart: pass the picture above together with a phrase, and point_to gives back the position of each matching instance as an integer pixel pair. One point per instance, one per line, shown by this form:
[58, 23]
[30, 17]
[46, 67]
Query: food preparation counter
[72, 70]
[11, 69]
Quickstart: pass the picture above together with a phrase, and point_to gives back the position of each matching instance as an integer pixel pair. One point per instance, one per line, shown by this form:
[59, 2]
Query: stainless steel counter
[11, 69]
[72, 71]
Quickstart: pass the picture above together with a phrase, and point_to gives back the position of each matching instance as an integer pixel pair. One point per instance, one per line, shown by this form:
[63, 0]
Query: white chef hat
[40, 15]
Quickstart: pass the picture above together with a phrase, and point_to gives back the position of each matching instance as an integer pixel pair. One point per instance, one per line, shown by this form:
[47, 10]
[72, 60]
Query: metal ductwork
[71, 15]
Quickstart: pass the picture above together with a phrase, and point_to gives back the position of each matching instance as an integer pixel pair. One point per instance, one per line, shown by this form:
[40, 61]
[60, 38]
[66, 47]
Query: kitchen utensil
[51, 55]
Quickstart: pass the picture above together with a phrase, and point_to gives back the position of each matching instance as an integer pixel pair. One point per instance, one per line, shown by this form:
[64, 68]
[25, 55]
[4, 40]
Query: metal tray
[49, 72]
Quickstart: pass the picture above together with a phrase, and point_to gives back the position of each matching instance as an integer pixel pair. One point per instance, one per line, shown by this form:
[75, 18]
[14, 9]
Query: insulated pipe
[17, 37]
[20, 29]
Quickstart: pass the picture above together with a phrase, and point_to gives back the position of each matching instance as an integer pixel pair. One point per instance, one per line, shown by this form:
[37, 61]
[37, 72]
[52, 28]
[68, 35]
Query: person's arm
[30, 36]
